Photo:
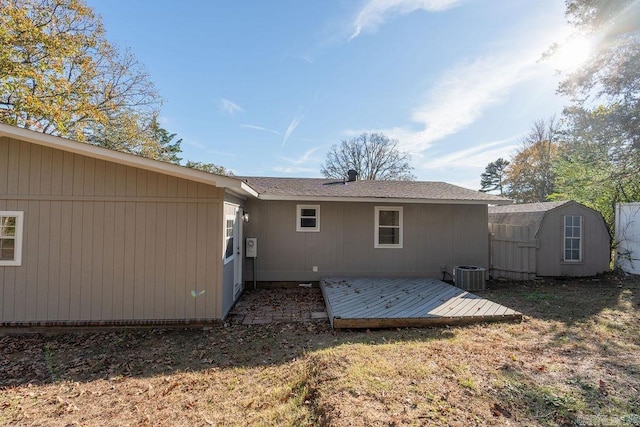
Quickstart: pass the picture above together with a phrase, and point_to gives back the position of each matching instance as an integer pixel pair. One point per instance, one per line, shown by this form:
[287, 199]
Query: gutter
[382, 200]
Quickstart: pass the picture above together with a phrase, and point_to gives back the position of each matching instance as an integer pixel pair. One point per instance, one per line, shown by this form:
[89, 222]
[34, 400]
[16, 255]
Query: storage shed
[554, 239]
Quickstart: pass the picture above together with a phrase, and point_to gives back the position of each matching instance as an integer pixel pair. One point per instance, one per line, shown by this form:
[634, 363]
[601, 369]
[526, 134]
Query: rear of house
[548, 239]
[93, 236]
[308, 229]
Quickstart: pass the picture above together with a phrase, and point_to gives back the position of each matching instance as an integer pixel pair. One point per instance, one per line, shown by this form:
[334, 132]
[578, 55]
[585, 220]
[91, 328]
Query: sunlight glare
[572, 54]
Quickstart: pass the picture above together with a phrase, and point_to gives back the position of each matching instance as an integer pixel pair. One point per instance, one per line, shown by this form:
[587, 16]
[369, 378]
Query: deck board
[397, 302]
[440, 296]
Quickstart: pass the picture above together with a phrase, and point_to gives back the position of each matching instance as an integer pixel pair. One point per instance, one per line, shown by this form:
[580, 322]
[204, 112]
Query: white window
[229, 231]
[572, 238]
[308, 218]
[11, 238]
[388, 227]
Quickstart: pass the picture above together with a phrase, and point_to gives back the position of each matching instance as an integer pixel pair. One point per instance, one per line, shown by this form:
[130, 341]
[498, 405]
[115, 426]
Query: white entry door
[238, 284]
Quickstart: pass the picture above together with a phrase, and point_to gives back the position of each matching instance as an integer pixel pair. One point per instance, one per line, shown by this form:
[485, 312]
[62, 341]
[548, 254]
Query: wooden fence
[513, 251]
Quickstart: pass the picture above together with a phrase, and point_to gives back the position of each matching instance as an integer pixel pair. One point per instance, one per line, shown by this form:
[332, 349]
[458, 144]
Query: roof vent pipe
[353, 175]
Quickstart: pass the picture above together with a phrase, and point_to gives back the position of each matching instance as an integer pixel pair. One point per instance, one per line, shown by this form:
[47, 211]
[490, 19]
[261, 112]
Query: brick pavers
[262, 306]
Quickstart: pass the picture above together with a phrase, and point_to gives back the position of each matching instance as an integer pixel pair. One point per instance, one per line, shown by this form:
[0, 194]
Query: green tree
[166, 147]
[132, 133]
[599, 161]
[530, 176]
[493, 177]
[612, 70]
[374, 156]
[209, 167]
[594, 166]
[610, 77]
[59, 75]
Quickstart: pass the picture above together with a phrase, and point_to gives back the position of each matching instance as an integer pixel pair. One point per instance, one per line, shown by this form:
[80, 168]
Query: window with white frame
[230, 221]
[11, 238]
[388, 227]
[573, 238]
[308, 218]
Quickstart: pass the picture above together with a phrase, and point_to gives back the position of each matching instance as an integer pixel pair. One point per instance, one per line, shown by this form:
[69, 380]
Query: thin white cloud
[230, 107]
[294, 170]
[260, 128]
[478, 156]
[307, 164]
[195, 143]
[375, 12]
[302, 112]
[465, 166]
[292, 126]
[306, 158]
[306, 57]
[462, 96]
[464, 93]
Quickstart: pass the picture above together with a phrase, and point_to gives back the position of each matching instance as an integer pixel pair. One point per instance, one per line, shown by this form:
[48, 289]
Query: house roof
[271, 188]
[526, 214]
[234, 184]
[319, 189]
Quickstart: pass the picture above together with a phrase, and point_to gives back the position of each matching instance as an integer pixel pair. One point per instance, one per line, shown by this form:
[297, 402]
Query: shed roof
[525, 214]
[319, 189]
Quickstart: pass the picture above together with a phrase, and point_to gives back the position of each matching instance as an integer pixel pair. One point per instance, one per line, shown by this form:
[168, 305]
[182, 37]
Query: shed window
[228, 238]
[388, 227]
[11, 238]
[308, 218]
[572, 238]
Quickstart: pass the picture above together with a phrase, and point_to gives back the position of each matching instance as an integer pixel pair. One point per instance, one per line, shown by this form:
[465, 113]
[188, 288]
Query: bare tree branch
[373, 156]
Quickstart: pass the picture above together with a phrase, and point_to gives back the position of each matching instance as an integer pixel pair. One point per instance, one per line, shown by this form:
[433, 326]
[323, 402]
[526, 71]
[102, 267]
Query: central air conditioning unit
[469, 277]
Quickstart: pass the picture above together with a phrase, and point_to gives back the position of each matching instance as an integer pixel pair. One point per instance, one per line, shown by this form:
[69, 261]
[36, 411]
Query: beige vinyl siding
[107, 242]
[434, 235]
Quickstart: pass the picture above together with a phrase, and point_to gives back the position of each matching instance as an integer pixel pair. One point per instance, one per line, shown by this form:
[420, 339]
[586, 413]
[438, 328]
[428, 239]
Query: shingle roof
[525, 214]
[319, 188]
[527, 207]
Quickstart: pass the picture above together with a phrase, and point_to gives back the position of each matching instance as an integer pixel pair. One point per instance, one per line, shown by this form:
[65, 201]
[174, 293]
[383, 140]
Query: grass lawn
[574, 360]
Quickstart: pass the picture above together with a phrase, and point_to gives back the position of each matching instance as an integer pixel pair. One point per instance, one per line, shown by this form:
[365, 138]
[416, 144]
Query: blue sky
[267, 87]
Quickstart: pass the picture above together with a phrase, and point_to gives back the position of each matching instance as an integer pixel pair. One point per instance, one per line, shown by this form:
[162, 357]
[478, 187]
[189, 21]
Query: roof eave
[272, 197]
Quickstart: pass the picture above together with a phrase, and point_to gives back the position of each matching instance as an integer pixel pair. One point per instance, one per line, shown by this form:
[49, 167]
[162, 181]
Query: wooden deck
[405, 302]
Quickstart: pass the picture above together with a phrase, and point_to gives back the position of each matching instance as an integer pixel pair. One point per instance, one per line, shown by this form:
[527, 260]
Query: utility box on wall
[251, 247]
